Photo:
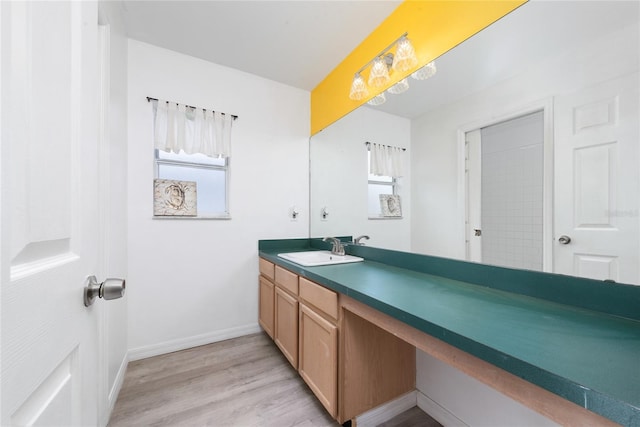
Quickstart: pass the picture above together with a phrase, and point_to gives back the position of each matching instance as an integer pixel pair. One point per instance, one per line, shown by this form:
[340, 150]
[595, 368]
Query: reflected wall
[339, 171]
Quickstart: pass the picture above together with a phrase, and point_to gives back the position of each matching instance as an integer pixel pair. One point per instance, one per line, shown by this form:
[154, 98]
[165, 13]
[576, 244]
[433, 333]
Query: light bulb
[425, 72]
[359, 89]
[405, 57]
[377, 100]
[379, 74]
[400, 87]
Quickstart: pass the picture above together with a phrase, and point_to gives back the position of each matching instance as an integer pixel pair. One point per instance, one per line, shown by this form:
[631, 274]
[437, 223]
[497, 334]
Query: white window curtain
[386, 160]
[193, 130]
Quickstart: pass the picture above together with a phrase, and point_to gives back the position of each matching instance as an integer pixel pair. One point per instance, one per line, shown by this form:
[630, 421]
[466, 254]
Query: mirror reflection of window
[378, 185]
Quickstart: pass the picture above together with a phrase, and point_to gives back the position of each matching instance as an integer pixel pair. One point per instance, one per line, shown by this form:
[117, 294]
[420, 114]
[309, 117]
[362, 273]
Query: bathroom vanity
[304, 318]
[566, 347]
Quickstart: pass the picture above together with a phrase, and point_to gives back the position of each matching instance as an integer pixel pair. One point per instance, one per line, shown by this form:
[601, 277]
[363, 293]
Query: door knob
[564, 240]
[109, 289]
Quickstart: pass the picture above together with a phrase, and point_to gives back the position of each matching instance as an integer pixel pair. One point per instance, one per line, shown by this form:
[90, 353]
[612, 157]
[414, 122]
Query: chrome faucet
[356, 241]
[337, 248]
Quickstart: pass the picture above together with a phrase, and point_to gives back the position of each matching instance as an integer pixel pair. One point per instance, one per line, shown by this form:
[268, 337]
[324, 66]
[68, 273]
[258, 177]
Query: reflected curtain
[193, 130]
[387, 160]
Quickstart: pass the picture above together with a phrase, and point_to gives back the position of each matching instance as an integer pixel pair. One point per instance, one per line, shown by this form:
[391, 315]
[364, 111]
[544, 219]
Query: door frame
[498, 116]
[108, 262]
[105, 406]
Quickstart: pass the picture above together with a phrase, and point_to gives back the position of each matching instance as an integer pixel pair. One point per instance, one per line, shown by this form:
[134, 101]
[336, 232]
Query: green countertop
[589, 357]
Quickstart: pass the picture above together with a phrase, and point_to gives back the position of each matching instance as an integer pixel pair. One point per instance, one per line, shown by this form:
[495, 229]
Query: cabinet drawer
[287, 280]
[267, 268]
[320, 297]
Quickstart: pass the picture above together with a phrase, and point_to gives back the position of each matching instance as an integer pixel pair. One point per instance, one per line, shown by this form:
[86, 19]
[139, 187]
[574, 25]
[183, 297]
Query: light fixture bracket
[388, 59]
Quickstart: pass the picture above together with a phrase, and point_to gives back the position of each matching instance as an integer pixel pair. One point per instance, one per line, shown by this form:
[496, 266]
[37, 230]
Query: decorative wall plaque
[174, 198]
[390, 205]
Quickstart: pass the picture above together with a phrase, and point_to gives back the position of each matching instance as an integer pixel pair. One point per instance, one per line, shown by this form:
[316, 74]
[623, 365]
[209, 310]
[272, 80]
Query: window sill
[171, 218]
[384, 217]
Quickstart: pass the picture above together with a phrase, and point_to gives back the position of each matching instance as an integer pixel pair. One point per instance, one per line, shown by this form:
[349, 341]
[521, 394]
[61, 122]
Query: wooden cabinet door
[286, 325]
[318, 357]
[266, 308]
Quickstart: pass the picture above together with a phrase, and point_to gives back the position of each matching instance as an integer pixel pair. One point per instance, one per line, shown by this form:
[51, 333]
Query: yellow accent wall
[434, 27]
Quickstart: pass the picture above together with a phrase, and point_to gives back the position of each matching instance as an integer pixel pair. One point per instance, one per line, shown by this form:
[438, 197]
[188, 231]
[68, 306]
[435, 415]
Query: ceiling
[519, 41]
[297, 43]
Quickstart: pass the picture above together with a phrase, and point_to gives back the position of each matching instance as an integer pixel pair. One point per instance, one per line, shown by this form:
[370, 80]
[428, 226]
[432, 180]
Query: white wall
[195, 281]
[439, 230]
[113, 200]
[339, 178]
[463, 400]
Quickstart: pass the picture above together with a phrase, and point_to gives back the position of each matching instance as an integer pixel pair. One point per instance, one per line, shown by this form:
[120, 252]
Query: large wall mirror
[521, 151]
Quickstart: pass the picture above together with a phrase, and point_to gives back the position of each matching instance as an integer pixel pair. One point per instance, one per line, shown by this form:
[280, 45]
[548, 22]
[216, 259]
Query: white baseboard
[387, 411]
[437, 412]
[189, 342]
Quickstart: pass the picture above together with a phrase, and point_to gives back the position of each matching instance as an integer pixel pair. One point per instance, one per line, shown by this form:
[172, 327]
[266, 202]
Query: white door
[596, 181]
[48, 212]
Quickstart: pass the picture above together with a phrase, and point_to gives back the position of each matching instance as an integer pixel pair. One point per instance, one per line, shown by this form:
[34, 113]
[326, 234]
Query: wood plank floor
[240, 382]
[414, 417]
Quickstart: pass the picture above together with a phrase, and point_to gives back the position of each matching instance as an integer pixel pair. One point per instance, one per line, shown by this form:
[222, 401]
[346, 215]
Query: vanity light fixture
[379, 72]
[402, 60]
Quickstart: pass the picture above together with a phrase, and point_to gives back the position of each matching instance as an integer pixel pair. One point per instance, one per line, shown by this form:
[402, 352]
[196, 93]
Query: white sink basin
[315, 258]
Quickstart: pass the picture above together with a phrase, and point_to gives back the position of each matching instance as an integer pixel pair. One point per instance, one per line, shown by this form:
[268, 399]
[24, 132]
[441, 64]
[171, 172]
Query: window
[378, 185]
[211, 177]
